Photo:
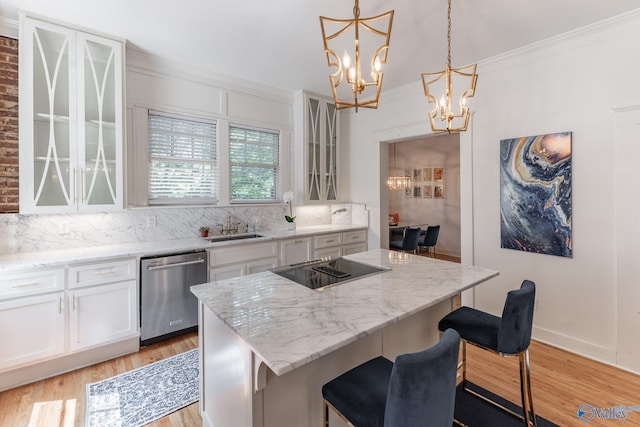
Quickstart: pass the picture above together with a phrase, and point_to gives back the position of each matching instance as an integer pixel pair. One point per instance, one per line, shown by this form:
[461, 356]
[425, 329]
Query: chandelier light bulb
[352, 74]
[346, 60]
[377, 65]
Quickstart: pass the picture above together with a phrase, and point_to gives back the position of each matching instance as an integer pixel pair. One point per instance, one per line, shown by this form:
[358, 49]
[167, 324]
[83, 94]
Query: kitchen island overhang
[305, 337]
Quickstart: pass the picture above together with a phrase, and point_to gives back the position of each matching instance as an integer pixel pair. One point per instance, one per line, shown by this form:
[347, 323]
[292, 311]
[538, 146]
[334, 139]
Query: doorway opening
[433, 195]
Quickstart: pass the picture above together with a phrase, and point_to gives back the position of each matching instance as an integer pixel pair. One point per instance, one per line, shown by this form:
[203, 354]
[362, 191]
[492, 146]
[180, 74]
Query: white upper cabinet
[316, 152]
[71, 119]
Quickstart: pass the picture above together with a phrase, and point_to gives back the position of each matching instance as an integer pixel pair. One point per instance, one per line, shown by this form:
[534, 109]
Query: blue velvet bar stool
[418, 390]
[430, 240]
[509, 335]
[409, 242]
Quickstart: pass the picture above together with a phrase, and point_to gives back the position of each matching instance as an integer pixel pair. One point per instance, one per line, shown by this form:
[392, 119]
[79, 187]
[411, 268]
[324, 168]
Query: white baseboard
[589, 350]
[71, 362]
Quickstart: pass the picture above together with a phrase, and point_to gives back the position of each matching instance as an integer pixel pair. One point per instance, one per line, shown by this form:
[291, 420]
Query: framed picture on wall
[438, 174]
[535, 194]
[438, 192]
[427, 174]
[427, 192]
[408, 192]
[417, 191]
[417, 175]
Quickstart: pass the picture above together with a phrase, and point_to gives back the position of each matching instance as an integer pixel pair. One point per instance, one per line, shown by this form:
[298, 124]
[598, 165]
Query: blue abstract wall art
[535, 194]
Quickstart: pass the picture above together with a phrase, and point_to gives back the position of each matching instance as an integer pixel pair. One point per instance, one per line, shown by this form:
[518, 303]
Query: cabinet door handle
[24, 285]
[330, 241]
[74, 186]
[104, 271]
[175, 264]
[60, 304]
[73, 300]
[82, 184]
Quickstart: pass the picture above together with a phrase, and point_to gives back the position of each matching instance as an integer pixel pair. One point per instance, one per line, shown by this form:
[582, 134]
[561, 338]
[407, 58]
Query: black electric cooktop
[319, 274]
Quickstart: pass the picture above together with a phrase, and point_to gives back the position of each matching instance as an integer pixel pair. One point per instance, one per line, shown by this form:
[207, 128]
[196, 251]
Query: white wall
[429, 152]
[570, 83]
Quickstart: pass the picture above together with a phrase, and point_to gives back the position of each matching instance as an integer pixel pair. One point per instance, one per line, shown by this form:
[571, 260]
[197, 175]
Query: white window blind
[183, 165]
[254, 158]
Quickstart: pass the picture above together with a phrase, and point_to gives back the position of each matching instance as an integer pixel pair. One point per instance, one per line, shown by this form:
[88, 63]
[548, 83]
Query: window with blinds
[254, 161]
[183, 165]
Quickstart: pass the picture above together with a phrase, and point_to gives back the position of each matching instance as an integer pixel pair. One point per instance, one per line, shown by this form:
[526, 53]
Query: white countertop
[288, 325]
[60, 257]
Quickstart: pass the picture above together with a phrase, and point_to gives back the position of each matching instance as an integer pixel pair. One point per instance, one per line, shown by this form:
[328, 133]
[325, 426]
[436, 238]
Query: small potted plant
[288, 199]
[204, 231]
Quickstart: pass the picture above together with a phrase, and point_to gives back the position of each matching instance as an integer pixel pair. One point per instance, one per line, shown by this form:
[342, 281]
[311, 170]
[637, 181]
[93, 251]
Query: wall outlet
[64, 228]
[151, 221]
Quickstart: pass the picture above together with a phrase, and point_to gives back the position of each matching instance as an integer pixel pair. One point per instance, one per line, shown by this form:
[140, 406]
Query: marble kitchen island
[267, 344]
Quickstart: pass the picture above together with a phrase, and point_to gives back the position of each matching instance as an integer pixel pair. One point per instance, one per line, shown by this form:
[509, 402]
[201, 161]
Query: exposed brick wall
[8, 125]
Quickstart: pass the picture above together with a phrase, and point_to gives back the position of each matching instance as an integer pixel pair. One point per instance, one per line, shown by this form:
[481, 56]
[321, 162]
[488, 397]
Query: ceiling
[278, 43]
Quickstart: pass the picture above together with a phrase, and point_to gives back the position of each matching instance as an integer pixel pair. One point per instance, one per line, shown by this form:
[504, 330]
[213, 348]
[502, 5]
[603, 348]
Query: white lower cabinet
[293, 251]
[234, 261]
[335, 245]
[42, 317]
[102, 314]
[354, 248]
[32, 329]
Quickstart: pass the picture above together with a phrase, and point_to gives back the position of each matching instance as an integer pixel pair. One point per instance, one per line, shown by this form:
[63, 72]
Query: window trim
[137, 154]
[186, 201]
[279, 166]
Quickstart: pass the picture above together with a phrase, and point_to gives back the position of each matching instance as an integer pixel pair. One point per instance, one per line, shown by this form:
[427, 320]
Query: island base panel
[226, 392]
[228, 382]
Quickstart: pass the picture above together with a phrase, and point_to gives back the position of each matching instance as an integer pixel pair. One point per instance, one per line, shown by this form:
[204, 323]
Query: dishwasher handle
[175, 264]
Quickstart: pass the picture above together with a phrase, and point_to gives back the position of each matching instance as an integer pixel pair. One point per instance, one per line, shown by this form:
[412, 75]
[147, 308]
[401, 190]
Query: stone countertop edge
[287, 325]
[56, 258]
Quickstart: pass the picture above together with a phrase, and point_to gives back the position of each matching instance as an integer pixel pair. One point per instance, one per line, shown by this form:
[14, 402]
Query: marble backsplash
[32, 233]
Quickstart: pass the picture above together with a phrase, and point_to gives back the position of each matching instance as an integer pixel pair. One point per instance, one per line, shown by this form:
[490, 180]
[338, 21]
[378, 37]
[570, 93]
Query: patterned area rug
[143, 395]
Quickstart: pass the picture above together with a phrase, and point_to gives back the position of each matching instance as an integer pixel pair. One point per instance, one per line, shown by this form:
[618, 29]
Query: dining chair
[418, 390]
[409, 242]
[430, 240]
[509, 335]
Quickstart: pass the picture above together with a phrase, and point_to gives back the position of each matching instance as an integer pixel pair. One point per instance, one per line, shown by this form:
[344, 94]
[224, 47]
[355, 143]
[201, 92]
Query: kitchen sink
[226, 238]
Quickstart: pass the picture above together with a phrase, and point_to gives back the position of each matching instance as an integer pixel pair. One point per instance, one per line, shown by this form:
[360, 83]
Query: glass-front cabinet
[317, 147]
[71, 126]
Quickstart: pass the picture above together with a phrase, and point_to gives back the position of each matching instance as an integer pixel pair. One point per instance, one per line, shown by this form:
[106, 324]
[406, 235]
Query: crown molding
[146, 63]
[8, 27]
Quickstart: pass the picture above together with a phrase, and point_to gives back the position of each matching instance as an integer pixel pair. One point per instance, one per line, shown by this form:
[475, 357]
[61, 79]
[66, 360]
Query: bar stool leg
[326, 413]
[525, 390]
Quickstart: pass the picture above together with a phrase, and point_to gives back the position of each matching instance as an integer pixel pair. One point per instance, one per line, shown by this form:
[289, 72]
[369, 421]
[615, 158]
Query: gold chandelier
[442, 117]
[399, 181]
[377, 30]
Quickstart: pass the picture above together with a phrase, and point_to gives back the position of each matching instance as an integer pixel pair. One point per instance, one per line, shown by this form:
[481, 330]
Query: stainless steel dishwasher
[167, 306]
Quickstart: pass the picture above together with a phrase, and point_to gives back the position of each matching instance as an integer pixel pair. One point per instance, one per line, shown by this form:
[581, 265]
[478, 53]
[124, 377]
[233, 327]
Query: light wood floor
[561, 382]
[60, 401]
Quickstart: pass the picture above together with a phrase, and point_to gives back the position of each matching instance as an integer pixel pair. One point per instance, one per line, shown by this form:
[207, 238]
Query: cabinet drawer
[354, 248]
[327, 240]
[293, 251]
[330, 252]
[104, 272]
[354, 236]
[31, 283]
[242, 252]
